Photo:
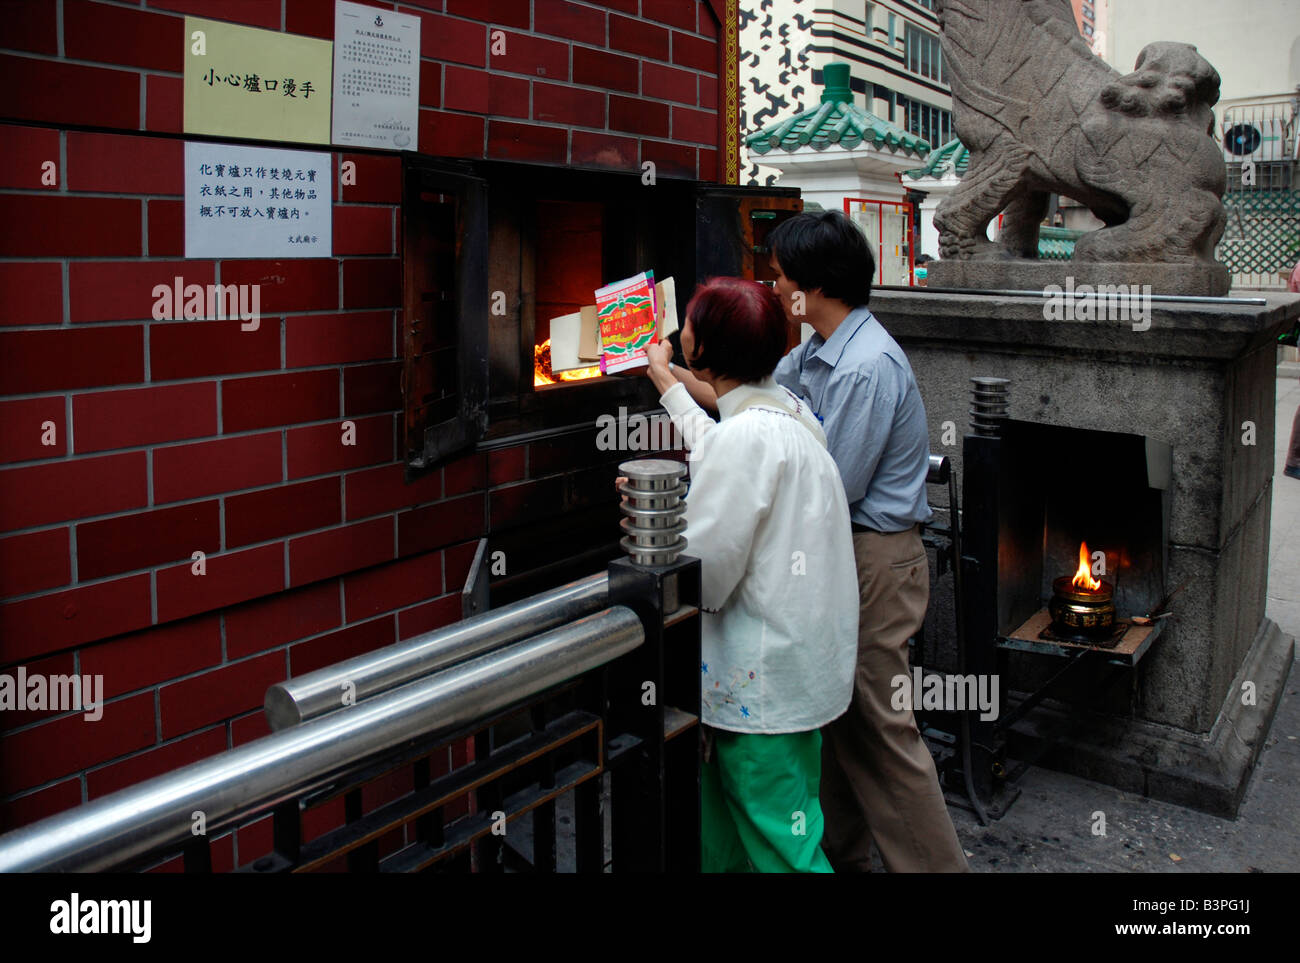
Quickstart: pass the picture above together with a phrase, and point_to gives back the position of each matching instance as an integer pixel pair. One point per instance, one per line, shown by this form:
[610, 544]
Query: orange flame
[543, 375]
[1083, 577]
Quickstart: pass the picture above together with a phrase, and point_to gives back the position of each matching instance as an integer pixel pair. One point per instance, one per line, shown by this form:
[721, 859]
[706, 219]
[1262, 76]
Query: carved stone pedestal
[1200, 379]
[1198, 278]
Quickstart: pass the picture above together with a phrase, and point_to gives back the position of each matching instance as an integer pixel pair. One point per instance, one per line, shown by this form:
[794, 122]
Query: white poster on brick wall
[244, 202]
[376, 77]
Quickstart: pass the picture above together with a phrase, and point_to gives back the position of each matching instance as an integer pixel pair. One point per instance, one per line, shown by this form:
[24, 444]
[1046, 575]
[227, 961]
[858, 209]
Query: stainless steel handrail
[157, 815]
[353, 680]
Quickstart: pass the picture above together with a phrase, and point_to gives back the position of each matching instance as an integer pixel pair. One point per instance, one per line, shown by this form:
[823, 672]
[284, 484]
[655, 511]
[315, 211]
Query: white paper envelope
[564, 342]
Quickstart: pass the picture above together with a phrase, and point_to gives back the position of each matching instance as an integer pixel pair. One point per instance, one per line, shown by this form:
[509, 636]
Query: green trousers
[758, 804]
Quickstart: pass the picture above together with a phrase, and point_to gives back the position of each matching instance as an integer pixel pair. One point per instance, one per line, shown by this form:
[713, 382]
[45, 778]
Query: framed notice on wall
[257, 202]
[376, 77]
[259, 84]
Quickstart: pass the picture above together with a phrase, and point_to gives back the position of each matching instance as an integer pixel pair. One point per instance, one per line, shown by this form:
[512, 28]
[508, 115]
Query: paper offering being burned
[578, 341]
[628, 317]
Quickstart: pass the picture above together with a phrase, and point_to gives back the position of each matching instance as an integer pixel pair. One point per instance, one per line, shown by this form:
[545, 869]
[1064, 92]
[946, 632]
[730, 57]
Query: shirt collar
[829, 350]
[733, 399]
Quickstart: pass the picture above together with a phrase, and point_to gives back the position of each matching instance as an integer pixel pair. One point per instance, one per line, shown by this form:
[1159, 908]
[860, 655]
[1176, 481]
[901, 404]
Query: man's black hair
[827, 251]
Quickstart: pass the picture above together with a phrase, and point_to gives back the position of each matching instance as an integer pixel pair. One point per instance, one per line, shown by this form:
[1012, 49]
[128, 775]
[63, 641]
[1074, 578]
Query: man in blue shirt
[878, 779]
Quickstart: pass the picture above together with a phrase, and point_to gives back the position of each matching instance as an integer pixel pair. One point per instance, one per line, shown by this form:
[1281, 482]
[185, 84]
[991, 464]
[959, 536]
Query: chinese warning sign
[257, 202]
[260, 84]
[376, 77]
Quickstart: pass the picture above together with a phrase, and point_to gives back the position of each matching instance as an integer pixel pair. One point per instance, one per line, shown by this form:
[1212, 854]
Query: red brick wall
[180, 436]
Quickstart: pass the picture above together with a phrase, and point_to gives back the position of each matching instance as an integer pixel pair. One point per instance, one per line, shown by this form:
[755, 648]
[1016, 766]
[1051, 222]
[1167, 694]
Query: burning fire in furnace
[1083, 576]
[543, 375]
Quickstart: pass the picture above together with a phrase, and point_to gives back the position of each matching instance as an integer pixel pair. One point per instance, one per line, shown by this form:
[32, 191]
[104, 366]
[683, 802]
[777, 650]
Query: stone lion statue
[1040, 113]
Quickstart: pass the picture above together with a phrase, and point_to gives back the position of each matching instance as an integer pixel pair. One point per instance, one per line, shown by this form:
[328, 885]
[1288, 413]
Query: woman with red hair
[768, 518]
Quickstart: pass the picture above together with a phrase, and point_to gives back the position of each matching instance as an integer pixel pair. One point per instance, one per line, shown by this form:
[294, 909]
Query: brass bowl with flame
[1080, 611]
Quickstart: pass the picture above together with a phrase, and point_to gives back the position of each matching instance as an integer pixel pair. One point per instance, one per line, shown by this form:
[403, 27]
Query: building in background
[844, 140]
[1092, 16]
[844, 157]
[892, 50]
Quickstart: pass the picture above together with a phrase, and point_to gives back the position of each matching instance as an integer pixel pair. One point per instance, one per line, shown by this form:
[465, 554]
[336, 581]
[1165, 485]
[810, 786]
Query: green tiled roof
[836, 120]
[951, 156]
[1057, 243]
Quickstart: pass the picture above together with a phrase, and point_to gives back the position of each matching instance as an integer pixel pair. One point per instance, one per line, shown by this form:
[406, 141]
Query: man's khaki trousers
[878, 780]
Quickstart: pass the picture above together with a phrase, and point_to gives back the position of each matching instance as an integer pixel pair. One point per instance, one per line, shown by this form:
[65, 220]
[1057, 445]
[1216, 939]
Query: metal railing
[341, 728]
[333, 687]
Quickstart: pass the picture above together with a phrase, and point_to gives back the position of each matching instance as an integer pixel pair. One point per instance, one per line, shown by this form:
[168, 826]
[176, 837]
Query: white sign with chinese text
[376, 77]
[243, 202]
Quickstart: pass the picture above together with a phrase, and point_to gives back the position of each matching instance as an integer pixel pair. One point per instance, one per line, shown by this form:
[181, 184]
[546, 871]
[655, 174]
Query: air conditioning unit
[1255, 140]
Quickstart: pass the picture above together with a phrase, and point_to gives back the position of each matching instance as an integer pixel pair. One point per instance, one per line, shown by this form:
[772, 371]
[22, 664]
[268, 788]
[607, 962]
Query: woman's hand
[659, 355]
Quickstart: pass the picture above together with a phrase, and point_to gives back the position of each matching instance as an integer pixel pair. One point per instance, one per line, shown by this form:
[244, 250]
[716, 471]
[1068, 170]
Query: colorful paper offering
[627, 313]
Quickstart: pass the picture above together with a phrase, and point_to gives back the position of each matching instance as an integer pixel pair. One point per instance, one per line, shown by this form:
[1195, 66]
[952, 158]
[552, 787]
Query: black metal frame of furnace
[976, 744]
[991, 788]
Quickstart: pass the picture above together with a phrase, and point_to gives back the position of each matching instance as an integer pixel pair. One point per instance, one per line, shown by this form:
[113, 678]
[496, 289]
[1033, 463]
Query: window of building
[928, 4]
[884, 96]
[923, 53]
[1088, 14]
[867, 16]
[1087, 30]
[934, 124]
